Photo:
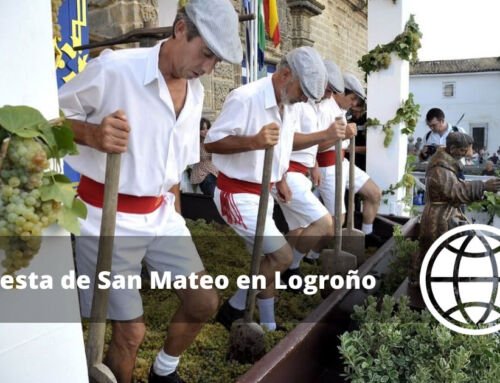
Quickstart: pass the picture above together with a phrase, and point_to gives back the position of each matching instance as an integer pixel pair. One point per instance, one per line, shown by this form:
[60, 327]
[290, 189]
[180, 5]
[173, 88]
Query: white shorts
[160, 238]
[304, 208]
[326, 188]
[246, 206]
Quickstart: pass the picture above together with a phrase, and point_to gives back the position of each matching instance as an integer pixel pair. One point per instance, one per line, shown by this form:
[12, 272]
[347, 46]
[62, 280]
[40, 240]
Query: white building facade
[461, 87]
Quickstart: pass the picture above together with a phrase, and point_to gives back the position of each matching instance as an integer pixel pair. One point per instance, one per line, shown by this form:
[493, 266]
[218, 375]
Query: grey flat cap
[308, 66]
[217, 22]
[335, 78]
[353, 84]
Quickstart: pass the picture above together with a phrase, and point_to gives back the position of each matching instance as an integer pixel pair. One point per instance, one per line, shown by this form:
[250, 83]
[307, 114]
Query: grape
[23, 214]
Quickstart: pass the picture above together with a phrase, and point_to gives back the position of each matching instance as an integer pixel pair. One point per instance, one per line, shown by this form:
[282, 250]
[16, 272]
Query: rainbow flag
[272, 21]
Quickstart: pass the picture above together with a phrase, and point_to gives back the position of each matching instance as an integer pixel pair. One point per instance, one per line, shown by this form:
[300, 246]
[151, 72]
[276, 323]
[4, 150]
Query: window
[480, 135]
[448, 89]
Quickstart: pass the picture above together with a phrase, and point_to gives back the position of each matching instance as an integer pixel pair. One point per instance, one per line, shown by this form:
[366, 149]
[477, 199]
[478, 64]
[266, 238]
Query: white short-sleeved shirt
[160, 144]
[246, 110]
[328, 110]
[436, 139]
[308, 123]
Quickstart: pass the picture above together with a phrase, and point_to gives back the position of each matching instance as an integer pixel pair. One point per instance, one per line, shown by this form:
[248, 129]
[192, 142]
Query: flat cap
[335, 78]
[308, 66]
[218, 24]
[352, 83]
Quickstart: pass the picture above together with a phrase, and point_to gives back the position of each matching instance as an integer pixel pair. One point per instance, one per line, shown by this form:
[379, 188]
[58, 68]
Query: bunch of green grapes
[23, 213]
[389, 134]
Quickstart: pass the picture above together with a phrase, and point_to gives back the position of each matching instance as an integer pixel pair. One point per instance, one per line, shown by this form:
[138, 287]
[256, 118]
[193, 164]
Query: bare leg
[371, 200]
[280, 260]
[125, 342]
[197, 306]
[316, 233]
[328, 236]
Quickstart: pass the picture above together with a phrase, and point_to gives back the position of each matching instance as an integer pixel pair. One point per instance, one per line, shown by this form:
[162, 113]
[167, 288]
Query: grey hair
[192, 30]
[284, 63]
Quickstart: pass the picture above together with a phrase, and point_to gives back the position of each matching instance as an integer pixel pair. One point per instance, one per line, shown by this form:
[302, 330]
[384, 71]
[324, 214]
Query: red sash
[297, 167]
[232, 185]
[92, 192]
[328, 158]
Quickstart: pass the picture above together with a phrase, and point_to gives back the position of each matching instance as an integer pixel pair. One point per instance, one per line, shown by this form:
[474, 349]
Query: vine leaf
[22, 121]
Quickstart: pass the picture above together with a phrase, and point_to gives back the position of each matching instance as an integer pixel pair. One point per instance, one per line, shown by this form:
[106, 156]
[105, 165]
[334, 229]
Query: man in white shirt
[439, 130]
[146, 104]
[254, 117]
[363, 184]
[310, 223]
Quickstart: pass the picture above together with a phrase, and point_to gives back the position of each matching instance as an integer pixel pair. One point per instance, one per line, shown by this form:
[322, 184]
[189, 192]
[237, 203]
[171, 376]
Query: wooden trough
[309, 352]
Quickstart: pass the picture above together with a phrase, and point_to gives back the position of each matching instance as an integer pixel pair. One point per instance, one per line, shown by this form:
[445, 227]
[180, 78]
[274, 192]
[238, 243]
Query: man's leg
[371, 202]
[126, 339]
[278, 254]
[309, 221]
[314, 238]
[233, 308]
[197, 306]
[372, 196]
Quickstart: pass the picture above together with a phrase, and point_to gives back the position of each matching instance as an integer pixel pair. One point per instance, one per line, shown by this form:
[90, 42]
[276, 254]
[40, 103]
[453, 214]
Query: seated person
[204, 173]
[489, 169]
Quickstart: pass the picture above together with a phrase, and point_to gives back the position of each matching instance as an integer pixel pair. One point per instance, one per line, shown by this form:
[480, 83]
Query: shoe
[311, 261]
[287, 274]
[170, 378]
[227, 314]
[373, 240]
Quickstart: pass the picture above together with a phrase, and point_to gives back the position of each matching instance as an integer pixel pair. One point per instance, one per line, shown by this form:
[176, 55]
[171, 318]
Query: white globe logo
[459, 279]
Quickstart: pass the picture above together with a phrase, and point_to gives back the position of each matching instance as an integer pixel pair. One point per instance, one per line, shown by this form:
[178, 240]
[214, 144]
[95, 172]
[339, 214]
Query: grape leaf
[68, 217]
[62, 178]
[68, 220]
[22, 121]
[58, 191]
[79, 208]
[64, 138]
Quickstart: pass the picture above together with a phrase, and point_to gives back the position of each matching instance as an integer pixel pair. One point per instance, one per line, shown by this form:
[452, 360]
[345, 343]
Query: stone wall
[109, 18]
[340, 33]
[337, 28]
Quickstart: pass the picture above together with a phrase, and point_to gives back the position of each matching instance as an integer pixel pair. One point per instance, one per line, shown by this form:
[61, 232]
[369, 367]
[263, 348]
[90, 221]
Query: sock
[239, 299]
[297, 257]
[165, 364]
[313, 255]
[266, 313]
[367, 228]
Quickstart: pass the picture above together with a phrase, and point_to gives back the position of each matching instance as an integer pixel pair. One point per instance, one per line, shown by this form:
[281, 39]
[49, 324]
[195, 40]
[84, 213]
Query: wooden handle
[338, 196]
[95, 343]
[259, 232]
[350, 207]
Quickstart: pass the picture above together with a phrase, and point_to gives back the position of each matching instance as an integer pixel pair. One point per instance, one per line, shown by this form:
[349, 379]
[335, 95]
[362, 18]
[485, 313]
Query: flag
[272, 21]
[261, 31]
[255, 39]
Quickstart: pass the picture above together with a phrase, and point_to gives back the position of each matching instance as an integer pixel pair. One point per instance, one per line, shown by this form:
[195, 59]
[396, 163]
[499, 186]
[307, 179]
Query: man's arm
[111, 136]
[268, 136]
[176, 191]
[350, 131]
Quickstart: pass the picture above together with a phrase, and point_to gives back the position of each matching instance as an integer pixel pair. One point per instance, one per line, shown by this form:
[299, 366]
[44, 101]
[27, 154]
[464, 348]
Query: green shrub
[396, 344]
[399, 266]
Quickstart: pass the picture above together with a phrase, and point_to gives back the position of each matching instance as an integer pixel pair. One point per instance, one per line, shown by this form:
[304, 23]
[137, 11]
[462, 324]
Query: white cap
[307, 65]
[352, 83]
[218, 24]
[335, 78]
